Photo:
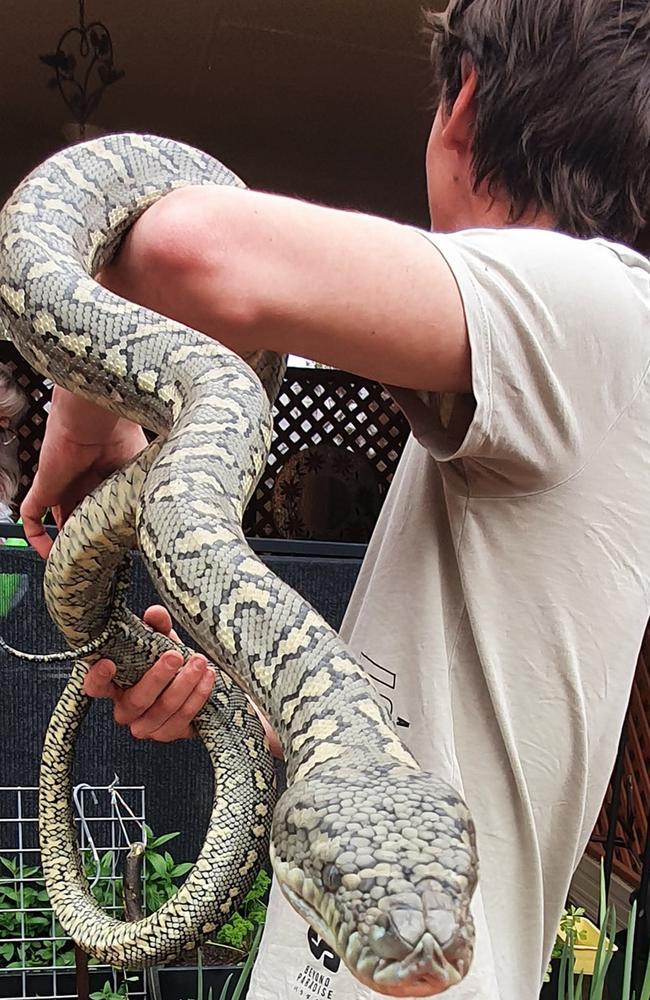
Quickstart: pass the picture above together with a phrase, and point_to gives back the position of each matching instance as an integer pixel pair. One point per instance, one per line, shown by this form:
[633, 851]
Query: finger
[195, 675]
[98, 682]
[60, 517]
[158, 618]
[32, 513]
[179, 726]
[138, 699]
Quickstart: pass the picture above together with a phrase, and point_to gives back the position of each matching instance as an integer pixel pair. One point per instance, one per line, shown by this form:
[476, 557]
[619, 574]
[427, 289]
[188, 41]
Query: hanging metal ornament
[83, 66]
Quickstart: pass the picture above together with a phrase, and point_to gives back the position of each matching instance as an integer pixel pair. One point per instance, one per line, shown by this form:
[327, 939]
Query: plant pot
[586, 946]
[38, 984]
[176, 983]
[180, 982]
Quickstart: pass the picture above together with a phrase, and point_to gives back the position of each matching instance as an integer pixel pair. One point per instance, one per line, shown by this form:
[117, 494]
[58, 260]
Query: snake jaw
[386, 881]
[410, 975]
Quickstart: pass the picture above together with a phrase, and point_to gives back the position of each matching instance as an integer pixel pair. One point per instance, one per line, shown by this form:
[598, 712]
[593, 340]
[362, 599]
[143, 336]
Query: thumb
[98, 682]
[32, 512]
[159, 619]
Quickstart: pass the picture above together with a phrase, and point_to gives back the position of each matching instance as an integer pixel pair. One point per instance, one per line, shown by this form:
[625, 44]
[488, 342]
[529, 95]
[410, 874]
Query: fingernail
[207, 680]
[174, 661]
[196, 662]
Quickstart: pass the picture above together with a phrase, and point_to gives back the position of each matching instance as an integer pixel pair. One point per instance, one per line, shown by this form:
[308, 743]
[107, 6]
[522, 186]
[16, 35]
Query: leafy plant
[24, 907]
[570, 928]
[108, 993]
[243, 975]
[21, 916]
[245, 972]
[241, 930]
[572, 988]
[160, 871]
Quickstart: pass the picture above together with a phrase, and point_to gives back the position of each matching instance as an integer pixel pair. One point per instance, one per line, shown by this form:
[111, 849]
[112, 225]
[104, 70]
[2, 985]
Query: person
[505, 592]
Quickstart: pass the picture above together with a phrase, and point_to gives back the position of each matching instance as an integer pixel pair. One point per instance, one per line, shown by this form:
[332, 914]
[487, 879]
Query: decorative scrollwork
[83, 66]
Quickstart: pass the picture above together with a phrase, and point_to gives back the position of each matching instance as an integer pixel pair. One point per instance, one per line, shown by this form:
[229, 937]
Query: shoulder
[548, 279]
[545, 258]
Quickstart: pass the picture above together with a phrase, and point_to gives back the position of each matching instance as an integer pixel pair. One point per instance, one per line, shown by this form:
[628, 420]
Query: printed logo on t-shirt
[386, 683]
[312, 983]
[321, 950]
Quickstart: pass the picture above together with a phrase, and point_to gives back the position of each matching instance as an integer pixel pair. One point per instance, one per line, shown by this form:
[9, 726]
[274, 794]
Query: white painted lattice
[109, 819]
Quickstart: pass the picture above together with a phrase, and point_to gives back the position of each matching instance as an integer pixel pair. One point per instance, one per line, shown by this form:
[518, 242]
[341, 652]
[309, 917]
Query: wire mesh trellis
[36, 958]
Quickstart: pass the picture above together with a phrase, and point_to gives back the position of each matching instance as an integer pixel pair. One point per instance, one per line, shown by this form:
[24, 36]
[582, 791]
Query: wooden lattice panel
[32, 427]
[324, 407]
[316, 407]
[330, 408]
[634, 805]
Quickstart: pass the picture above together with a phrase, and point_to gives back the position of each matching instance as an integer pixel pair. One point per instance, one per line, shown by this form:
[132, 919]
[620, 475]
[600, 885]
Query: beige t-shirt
[503, 599]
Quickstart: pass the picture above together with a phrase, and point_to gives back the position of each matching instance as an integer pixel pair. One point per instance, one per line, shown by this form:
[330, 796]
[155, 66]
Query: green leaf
[562, 977]
[181, 869]
[645, 988]
[604, 953]
[224, 992]
[629, 948]
[199, 974]
[106, 864]
[602, 916]
[158, 864]
[159, 841]
[571, 977]
[248, 965]
[580, 987]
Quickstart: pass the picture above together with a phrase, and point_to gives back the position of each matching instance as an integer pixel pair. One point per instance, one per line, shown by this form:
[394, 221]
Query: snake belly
[377, 854]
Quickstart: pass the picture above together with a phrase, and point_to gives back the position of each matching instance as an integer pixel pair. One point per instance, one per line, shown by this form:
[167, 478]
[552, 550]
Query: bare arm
[260, 271]
[257, 271]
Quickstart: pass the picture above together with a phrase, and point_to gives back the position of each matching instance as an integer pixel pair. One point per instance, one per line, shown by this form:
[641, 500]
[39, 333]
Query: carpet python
[376, 854]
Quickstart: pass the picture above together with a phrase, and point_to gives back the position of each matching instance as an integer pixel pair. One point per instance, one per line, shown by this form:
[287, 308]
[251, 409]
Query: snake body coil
[378, 855]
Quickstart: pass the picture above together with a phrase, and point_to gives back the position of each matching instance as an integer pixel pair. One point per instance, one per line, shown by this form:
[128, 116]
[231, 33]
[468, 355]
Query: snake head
[381, 861]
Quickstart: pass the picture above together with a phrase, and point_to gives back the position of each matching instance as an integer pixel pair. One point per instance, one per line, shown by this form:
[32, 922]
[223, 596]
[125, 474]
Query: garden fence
[36, 957]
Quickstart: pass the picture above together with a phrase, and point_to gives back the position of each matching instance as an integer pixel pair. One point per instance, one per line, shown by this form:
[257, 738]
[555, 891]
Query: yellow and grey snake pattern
[377, 855]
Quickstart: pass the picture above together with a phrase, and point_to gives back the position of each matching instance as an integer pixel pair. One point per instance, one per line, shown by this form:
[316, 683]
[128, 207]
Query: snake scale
[376, 854]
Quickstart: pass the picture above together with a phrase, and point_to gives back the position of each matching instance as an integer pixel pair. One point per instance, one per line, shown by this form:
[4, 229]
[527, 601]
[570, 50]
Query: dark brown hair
[562, 108]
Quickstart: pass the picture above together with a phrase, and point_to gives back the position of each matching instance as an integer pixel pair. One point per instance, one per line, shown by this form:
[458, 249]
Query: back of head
[562, 106]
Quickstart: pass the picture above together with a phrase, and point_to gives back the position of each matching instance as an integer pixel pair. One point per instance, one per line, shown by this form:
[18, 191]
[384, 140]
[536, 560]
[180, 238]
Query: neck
[483, 212]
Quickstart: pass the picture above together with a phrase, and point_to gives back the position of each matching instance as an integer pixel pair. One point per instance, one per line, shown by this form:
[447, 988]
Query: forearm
[80, 419]
[259, 271]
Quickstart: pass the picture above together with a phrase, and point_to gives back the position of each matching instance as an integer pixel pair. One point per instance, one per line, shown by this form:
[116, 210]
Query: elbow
[187, 257]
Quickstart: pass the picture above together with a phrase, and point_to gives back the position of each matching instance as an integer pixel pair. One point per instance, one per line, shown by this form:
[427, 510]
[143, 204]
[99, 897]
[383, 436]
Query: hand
[82, 446]
[164, 701]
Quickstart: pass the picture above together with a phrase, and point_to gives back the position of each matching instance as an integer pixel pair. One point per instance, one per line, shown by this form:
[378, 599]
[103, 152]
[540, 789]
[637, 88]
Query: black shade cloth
[177, 777]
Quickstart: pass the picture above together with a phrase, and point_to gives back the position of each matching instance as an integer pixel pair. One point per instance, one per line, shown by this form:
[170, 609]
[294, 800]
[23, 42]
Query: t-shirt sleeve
[558, 331]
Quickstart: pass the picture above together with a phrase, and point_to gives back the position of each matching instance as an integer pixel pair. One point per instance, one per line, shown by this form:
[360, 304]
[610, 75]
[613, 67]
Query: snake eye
[331, 878]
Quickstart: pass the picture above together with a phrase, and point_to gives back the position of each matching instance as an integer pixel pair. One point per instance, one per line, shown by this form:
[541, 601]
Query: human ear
[458, 127]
